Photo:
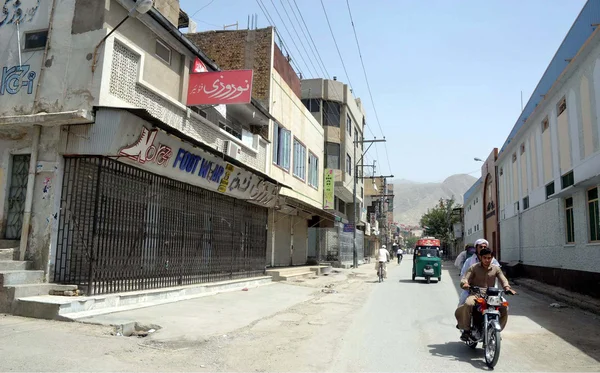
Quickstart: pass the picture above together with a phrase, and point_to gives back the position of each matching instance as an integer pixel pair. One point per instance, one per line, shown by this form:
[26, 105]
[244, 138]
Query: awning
[144, 114]
[311, 209]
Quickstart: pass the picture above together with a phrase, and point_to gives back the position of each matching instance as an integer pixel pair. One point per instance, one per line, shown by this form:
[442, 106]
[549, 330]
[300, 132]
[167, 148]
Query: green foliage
[438, 221]
[411, 241]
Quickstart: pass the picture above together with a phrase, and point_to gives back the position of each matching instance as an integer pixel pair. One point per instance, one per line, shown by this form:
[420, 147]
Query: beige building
[101, 158]
[296, 149]
[343, 118]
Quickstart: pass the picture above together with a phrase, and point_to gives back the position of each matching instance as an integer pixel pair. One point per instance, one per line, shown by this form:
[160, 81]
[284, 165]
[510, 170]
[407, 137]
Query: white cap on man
[481, 241]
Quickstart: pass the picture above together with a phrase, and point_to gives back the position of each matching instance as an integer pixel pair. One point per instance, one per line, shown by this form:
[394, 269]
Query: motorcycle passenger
[464, 255]
[383, 256]
[482, 275]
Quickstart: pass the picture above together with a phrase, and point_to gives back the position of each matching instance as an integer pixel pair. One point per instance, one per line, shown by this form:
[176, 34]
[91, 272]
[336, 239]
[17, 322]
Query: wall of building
[242, 49]
[289, 110]
[473, 215]
[540, 154]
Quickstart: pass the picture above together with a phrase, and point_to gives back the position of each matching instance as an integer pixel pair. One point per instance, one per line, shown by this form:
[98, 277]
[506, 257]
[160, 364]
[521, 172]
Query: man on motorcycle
[383, 256]
[482, 275]
[480, 244]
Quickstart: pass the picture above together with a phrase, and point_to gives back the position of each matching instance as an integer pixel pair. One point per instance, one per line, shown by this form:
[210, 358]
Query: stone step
[9, 294]
[9, 244]
[276, 273]
[21, 277]
[296, 276]
[14, 265]
[75, 308]
[7, 254]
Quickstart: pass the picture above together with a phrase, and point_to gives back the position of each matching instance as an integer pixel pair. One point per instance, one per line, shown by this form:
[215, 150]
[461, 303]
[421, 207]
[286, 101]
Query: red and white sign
[199, 67]
[220, 87]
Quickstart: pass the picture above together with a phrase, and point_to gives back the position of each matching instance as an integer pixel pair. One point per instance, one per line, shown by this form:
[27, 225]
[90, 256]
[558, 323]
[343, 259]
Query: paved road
[356, 324]
[410, 326]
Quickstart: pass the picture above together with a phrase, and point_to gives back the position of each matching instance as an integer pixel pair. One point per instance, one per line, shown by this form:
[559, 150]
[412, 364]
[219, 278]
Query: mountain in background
[413, 199]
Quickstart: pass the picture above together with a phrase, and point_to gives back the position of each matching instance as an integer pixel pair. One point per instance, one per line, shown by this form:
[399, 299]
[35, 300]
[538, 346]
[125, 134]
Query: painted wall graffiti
[15, 78]
[144, 150]
[18, 11]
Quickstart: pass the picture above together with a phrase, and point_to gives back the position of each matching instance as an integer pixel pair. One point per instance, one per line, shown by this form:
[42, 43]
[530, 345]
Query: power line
[312, 47]
[210, 2]
[336, 45]
[299, 39]
[293, 41]
[272, 23]
[367, 80]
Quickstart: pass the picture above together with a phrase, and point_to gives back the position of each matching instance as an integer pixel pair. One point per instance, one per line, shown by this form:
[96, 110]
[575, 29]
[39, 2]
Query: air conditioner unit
[232, 149]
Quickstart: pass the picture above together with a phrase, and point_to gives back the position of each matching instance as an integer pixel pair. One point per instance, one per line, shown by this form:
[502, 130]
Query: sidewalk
[220, 314]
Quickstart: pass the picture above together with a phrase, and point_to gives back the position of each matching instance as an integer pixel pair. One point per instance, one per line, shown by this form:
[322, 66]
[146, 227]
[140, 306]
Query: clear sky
[446, 75]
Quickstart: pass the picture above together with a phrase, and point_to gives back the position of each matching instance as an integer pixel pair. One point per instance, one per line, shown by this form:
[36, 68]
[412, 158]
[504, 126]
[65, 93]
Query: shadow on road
[576, 327]
[417, 281]
[460, 352]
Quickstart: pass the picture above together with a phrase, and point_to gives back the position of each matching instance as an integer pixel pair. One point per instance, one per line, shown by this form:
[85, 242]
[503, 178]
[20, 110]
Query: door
[16, 196]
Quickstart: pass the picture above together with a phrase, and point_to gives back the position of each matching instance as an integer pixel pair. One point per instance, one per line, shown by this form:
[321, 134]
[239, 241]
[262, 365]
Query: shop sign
[220, 87]
[348, 227]
[169, 156]
[328, 190]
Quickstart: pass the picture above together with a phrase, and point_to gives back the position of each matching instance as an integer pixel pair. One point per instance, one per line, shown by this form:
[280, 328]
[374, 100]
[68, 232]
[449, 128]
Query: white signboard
[166, 155]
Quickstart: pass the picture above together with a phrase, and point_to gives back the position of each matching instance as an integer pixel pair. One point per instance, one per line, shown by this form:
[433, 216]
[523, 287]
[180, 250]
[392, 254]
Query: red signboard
[199, 67]
[428, 242]
[220, 87]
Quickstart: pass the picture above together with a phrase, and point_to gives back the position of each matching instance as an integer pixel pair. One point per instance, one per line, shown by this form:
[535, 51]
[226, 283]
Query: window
[567, 180]
[349, 164]
[362, 193]
[331, 114]
[35, 40]
[230, 130]
[562, 106]
[526, 203]
[501, 171]
[549, 190]
[569, 220]
[332, 155]
[593, 214]
[545, 124]
[522, 149]
[281, 146]
[514, 157]
[517, 206]
[357, 137]
[163, 52]
[312, 104]
[313, 170]
[349, 125]
[299, 160]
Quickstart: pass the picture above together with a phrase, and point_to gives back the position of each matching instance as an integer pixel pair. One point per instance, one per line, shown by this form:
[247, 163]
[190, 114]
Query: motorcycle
[485, 323]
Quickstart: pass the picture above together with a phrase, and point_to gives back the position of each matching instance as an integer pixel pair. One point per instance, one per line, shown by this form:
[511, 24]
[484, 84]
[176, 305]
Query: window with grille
[593, 215]
[570, 228]
[332, 155]
[299, 160]
[562, 106]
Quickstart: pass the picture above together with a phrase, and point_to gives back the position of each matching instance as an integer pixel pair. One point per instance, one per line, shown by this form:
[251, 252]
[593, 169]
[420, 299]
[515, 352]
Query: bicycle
[380, 271]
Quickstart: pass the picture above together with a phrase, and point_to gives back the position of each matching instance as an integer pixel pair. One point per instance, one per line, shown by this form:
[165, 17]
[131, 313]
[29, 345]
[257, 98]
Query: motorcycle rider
[480, 244]
[399, 253]
[383, 256]
[482, 275]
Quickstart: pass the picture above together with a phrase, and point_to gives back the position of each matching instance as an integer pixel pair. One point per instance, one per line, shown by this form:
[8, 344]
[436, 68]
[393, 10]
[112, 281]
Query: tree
[438, 221]
[411, 242]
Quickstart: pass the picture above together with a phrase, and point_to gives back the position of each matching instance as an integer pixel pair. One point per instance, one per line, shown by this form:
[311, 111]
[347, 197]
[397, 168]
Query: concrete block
[9, 244]
[7, 254]
[14, 265]
[21, 277]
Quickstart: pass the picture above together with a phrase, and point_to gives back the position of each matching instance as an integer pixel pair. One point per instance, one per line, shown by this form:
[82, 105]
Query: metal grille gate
[125, 229]
[16, 196]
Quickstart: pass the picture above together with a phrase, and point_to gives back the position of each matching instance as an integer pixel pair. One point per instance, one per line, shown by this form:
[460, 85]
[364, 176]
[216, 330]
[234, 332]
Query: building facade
[295, 153]
[548, 171]
[473, 213]
[108, 179]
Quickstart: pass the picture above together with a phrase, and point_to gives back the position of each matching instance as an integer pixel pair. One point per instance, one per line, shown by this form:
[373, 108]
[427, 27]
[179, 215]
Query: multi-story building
[548, 170]
[473, 213]
[342, 116]
[295, 153]
[109, 180]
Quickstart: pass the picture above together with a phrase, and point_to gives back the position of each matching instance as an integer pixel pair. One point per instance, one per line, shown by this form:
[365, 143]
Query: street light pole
[357, 163]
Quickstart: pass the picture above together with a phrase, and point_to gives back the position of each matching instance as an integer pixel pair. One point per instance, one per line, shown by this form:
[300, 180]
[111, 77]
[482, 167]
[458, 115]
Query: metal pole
[354, 253]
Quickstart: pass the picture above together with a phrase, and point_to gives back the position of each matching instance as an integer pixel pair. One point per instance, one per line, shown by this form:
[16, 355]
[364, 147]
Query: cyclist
[382, 258]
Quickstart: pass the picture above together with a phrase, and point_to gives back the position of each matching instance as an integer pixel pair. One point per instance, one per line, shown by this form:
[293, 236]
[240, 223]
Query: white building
[473, 213]
[549, 168]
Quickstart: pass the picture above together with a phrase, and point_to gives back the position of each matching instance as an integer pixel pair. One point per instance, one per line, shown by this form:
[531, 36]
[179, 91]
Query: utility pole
[357, 163]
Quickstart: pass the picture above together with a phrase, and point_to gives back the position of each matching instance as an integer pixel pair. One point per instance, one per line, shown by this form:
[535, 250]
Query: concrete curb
[561, 295]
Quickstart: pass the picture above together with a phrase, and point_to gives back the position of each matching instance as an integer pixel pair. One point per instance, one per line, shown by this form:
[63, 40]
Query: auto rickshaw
[427, 259]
